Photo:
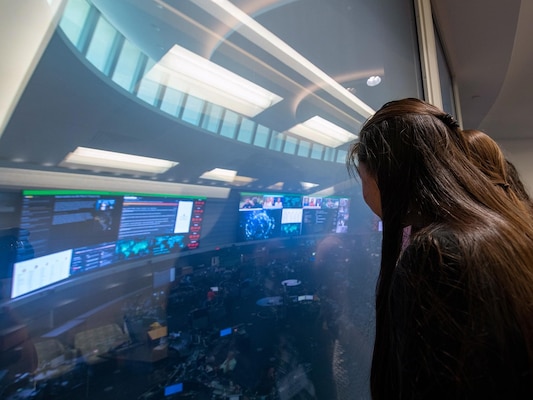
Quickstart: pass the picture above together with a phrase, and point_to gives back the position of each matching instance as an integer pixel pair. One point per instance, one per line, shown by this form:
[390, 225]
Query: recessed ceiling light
[276, 186]
[220, 174]
[373, 81]
[197, 76]
[110, 161]
[226, 175]
[308, 185]
[322, 131]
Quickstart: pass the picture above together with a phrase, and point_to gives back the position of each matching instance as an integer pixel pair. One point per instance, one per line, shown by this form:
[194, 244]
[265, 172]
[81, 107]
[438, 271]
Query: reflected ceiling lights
[322, 131]
[276, 186]
[308, 185]
[227, 175]
[231, 15]
[110, 161]
[190, 73]
[373, 81]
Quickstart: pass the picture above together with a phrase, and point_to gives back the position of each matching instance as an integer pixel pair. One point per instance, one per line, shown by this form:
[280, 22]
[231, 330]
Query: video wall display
[65, 233]
[266, 216]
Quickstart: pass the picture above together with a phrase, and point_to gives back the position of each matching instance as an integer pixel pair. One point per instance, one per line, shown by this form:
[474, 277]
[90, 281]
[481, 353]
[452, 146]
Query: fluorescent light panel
[276, 186]
[103, 160]
[308, 185]
[242, 180]
[220, 174]
[227, 175]
[190, 73]
[322, 131]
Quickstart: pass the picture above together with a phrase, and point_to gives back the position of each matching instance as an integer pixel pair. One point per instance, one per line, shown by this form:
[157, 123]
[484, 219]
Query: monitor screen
[72, 232]
[173, 389]
[267, 216]
[226, 332]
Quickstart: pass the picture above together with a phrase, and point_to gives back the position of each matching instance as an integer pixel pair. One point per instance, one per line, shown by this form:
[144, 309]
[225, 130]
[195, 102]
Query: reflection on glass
[246, 271]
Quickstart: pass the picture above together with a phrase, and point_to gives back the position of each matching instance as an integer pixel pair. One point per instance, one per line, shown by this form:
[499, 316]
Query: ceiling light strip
[197, 76]
[110, 160]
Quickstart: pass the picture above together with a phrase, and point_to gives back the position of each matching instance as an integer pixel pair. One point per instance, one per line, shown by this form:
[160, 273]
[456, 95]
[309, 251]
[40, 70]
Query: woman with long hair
[454, 305]
[489, 158]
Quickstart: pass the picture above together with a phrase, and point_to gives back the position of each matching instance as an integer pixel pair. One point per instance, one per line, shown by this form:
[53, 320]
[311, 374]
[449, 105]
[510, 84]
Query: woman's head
[415, 159]
[424, 175]
[487, 156]
[418, 157]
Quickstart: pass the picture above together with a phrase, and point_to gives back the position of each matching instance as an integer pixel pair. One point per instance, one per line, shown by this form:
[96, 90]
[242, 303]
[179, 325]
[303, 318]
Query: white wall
[520, 153]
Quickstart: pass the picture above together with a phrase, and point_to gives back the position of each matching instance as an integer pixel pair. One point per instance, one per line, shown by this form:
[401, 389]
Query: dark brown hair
[489, 158]
[423, 168]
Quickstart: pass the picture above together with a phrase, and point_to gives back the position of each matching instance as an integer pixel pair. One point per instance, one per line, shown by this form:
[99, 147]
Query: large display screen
[267, 216]
[71, 232]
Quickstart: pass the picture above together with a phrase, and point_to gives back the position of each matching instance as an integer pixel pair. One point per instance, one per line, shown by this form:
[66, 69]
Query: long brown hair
[422, 165]
[490, 159]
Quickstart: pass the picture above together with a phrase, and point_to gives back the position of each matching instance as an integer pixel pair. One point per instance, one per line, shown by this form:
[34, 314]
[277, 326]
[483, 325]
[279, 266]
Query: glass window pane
[246, 131]
[303, 148]
[212, 230]
[193, 110]
[73, 19]
[172, 102]
[276, 141]
[290, 145]
[317, 151]
[149, 89]
[446, 83]
[229, 124]
[212, 118]
[329, 154]
[261, 136]
[127, 66]
[101, 44]
[341, 156]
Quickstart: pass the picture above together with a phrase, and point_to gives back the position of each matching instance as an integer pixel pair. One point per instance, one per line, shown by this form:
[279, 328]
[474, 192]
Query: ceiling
[66, 104]
[488, 46]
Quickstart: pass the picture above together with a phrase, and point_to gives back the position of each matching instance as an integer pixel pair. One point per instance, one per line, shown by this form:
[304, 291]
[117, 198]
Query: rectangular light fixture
[110, 161]
[197, 76]
[322, 131]
[220, 174]
[276, 186]
[308, 185]
[227, 175]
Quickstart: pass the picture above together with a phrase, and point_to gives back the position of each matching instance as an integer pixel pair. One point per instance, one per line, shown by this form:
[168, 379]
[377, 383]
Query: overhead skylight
[190, 73]
[322, 131]
[109, 161]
